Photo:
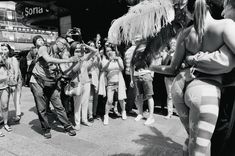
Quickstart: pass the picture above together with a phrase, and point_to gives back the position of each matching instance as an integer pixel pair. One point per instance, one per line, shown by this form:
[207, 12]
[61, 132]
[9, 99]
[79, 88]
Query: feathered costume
[146, 19]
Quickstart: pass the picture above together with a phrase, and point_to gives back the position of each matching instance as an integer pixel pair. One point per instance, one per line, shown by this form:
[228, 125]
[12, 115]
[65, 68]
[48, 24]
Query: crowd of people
[83, 82]
[78, 82]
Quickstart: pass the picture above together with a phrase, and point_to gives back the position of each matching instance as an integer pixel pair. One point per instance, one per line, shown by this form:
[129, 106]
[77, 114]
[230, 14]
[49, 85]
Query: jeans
[42, 97]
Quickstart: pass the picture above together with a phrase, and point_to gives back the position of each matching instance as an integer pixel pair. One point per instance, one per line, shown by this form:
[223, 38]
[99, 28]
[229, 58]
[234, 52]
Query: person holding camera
[142, 79]
[44, 84]
[81, 82]
[4, 85]
[115, 83]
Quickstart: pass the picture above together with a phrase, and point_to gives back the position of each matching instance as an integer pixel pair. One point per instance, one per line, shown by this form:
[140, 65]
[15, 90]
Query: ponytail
[200, 11]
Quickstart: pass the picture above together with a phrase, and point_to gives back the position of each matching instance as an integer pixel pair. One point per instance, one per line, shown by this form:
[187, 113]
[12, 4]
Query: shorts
[144, 86]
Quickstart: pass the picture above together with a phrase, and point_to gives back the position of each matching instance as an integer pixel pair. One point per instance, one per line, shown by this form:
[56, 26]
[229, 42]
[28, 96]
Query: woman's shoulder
[191, 41]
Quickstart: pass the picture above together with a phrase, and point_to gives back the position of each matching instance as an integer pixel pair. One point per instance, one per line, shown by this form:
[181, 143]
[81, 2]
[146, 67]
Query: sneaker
[70, 131]
[17, 119]
[124, 117]
[149, 121]
[91, 119]
[7, 128]
[116, 112]
[106, 119]
[1, 134]
[97, 117]
[47, 134]
[87, 124]
[77, 127]
[139, 117]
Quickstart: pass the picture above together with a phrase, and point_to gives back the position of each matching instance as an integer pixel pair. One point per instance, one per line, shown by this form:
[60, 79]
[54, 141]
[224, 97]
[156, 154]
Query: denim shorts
[144, 86]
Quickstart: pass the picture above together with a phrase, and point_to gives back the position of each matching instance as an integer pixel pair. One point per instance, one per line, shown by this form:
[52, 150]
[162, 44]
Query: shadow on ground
[156, 145]
[53, 122]
[33, 109]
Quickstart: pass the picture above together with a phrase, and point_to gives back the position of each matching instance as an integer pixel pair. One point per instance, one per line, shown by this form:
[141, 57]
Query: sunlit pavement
[120, 137]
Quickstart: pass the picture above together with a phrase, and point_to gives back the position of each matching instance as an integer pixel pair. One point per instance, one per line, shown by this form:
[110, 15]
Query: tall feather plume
[146, 19]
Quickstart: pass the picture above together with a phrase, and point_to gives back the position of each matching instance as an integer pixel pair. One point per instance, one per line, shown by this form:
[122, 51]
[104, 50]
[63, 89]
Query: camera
[76, 31]
[75, 34]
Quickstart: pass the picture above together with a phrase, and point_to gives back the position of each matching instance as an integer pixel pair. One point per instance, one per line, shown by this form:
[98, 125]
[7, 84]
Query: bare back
[213, 37]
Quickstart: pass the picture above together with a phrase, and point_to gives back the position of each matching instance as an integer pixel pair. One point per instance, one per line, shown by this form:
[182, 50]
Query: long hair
[200, 11]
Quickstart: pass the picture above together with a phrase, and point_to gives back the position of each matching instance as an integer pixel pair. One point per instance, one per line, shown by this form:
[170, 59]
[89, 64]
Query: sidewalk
[119, 138]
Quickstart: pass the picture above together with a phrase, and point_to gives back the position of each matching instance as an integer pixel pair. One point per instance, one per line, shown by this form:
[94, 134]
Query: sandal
[1, 134]
[7, 128]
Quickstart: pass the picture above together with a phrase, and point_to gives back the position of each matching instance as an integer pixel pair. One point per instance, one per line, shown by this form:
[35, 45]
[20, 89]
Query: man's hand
[192, 59]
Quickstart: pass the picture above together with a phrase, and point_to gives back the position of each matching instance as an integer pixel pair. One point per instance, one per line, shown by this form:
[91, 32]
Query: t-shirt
[128, 57]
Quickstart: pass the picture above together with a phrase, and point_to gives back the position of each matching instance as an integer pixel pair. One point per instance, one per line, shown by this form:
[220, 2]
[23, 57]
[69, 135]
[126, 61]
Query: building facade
[14, 32]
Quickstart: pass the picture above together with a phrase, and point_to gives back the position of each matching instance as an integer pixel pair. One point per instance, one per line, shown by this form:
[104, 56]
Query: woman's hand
[131, 84]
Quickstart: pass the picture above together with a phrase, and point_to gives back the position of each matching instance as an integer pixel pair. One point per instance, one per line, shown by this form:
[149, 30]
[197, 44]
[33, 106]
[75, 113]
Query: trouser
[16, 94]
[130, 101]
[168, 83]
[223, 138]
[198, 111]
[93, 102]
[67, 101]
[42, 97]
[81, 104]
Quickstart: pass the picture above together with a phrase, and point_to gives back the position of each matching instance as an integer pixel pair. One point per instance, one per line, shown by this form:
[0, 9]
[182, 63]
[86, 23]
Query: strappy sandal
[1, 134]
[7, 128]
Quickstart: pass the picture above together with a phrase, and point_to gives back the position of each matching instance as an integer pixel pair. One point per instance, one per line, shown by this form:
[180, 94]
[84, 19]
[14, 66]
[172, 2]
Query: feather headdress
[146, 19]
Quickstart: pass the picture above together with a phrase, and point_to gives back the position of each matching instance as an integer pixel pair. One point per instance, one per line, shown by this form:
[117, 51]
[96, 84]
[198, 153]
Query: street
[119, 138]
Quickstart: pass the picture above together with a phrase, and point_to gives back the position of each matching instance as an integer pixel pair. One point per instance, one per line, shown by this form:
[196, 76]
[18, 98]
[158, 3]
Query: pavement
[120, 138]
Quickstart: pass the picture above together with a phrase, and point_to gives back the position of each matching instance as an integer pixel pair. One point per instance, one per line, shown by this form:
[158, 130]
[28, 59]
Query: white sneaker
[77, 127]
[139, 117]
[124, 117]
[168, 116]
[106, 119]
[149, 121]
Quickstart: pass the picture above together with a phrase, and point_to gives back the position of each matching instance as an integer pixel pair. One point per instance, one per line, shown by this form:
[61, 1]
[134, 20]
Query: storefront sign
[34, 11]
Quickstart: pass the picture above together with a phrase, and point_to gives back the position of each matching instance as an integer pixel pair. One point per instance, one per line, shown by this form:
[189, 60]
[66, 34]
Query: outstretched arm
[176, 60]
[42, 52]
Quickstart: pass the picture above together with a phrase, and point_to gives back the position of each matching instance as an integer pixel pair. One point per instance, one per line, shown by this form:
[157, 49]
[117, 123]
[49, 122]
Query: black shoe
[47, 134]
[70, 131]
[91, 119]
[49, 112]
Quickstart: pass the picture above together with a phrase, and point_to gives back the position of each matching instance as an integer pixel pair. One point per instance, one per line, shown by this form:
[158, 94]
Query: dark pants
[101, 105]
[67, 102]
[223, 138]
[42, 97]
[131, 93]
